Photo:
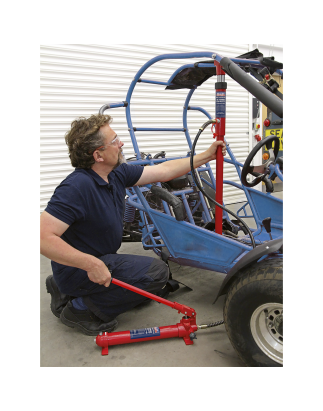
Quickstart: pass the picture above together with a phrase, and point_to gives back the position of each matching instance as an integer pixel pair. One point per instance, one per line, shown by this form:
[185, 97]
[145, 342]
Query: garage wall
[76, 80]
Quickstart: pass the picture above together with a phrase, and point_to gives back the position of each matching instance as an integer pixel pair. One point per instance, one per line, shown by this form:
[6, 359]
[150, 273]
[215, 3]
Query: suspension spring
[129, 214]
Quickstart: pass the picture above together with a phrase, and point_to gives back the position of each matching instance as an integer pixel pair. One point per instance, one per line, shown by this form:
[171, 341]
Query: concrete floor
[61, 346]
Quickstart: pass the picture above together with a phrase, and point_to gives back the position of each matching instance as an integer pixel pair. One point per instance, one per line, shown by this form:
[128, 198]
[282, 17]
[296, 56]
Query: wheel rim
[267, 330]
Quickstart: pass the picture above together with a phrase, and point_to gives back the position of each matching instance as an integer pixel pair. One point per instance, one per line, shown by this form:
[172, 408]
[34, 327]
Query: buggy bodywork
[176, 219]
[187, 242]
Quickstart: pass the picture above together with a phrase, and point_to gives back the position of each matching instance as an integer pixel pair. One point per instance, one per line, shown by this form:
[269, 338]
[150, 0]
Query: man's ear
[97, 156]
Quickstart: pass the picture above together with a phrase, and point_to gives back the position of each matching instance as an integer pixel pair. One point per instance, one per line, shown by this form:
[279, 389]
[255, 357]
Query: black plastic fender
[171, 199]
[253, 255]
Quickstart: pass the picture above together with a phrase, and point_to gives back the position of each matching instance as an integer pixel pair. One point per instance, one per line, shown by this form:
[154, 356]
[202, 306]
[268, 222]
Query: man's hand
[213, 149]
[53, 247]
[100, 274]
[175, 168]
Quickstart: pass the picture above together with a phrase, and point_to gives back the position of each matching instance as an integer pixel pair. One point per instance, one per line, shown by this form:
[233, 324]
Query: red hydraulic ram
[220, 114]
[183, 329]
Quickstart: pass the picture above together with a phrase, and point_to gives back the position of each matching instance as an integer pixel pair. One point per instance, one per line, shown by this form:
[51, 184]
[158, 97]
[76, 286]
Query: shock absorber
[129, 214]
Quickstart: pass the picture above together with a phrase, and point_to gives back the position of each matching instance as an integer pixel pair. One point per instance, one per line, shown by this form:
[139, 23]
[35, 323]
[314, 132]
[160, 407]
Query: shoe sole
[71, 324]
[51, 291]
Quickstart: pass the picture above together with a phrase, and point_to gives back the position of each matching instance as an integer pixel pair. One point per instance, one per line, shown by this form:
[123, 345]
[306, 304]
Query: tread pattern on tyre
[265, 270]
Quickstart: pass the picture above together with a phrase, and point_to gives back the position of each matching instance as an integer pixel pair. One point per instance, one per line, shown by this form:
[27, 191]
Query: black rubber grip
[220, 85]
[256, 89]
[171, 199]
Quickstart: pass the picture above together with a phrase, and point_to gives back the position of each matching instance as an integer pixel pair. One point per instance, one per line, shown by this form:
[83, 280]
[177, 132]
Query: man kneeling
[81, 228]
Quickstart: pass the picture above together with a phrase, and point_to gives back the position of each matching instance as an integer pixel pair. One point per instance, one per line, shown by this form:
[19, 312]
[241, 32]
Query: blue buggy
[186, 221]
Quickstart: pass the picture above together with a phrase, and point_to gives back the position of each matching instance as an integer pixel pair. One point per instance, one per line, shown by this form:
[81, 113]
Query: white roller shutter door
[76, 80]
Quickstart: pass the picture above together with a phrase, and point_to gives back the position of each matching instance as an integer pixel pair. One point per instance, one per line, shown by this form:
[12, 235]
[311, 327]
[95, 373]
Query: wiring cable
[201, 189]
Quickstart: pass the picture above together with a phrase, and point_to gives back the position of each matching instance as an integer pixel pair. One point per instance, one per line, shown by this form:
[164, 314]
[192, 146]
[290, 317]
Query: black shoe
[87, 322]
[58, 300]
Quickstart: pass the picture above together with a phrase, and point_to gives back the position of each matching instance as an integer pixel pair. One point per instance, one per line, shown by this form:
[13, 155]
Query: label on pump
[220, 104]
[144, 333]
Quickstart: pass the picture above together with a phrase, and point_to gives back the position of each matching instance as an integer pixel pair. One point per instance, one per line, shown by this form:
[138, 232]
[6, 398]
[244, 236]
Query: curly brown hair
[84, 138]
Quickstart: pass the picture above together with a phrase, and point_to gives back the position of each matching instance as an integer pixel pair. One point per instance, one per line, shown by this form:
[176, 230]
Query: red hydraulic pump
[185, 328]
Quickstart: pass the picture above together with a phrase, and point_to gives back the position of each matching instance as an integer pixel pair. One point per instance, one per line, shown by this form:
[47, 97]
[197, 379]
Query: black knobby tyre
[253, 314]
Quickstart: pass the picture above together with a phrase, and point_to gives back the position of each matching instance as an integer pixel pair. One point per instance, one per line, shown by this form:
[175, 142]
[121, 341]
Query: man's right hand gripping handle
[99, 273]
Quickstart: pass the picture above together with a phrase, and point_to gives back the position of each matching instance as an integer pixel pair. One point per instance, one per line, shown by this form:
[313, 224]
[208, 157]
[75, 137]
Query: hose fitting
[203, 326]
[214, 120]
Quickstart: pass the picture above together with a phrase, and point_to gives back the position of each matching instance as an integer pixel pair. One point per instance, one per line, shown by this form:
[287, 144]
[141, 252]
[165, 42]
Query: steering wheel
[260, 172]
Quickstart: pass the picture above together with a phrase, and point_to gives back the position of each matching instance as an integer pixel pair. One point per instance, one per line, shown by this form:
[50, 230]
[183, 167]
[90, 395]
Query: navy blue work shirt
[93, 209]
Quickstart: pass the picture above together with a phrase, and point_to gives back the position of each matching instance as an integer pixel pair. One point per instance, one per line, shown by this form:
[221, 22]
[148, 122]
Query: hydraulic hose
[204, 193]
[203, 326]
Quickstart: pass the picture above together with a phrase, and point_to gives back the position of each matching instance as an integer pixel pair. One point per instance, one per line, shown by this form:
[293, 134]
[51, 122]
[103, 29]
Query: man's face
[112, 155]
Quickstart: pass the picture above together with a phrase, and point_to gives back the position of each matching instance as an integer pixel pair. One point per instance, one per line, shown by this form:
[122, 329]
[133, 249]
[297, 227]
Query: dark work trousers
[146, 273]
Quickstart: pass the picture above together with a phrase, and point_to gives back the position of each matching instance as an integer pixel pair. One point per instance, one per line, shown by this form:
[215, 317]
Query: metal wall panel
[76, 80]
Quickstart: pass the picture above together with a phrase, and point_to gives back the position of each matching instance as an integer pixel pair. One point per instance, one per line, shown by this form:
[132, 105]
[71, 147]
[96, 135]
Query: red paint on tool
[183, 329]
[220, 132]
